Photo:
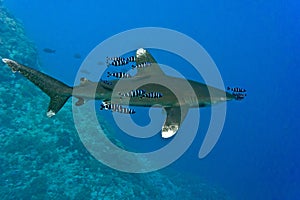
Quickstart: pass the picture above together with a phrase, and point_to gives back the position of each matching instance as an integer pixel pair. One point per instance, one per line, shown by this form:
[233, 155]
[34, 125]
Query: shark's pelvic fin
[142, 56]
[175, 116]
[58, 92]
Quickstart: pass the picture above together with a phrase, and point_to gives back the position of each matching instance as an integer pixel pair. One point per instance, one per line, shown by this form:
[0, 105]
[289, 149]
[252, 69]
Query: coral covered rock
[14, 44]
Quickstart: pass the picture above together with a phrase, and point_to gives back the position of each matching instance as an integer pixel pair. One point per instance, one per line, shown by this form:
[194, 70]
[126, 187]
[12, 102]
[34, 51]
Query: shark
[188, 94]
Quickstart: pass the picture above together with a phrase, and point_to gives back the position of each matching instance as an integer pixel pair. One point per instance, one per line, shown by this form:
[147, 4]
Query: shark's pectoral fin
[175, 116]
[56, 103]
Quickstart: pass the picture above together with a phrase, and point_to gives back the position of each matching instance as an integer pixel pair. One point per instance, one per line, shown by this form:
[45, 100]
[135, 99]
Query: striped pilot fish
[141, 65]
[238, 93]
[109, 106]
[133, 93]
[119, 62]
[153, 95]
[118, 75]
[236, 89]
[130, 59]
[127, 111]
[114, 59]
[116, 108]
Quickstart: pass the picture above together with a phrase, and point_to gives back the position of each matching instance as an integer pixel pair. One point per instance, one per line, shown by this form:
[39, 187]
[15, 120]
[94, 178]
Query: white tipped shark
[176, 106]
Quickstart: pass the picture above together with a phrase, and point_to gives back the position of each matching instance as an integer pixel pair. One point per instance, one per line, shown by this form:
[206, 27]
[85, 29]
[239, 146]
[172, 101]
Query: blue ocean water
[253, 43]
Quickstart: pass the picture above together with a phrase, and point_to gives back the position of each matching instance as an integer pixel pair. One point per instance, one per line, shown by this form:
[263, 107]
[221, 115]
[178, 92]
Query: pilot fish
[119, 74]
[236, 89]
[238, 93]
[127, 111]
[239, 96]
[116, 108]
[141, 65]
[153, 95]
[119, 62]
[131, 59]
[133, 93]
[115, 58]
[108, 106]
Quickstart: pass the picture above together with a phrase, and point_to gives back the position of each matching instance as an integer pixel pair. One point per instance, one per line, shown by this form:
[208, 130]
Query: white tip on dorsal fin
[140, 52]
[143, 56]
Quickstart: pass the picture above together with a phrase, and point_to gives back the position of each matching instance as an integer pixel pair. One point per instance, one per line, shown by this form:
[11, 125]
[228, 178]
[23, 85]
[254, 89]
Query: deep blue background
[254, 44]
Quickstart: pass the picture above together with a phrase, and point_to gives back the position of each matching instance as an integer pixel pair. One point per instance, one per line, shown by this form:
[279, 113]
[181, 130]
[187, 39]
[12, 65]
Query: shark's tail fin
[58, 92]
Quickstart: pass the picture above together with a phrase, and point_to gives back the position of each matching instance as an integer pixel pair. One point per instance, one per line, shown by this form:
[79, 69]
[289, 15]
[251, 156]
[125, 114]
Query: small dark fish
[47, 50]
[77, 56]
[119, 75]
[133, 93]
[153, 95]
[130, 59]
[141, 65]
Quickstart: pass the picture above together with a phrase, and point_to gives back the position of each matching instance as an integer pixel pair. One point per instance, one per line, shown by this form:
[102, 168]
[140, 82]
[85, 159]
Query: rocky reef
[14, 43]
[43, 158]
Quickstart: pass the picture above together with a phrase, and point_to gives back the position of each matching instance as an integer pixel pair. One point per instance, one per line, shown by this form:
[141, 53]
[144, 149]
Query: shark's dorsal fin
[175, 116]
[143, 56]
